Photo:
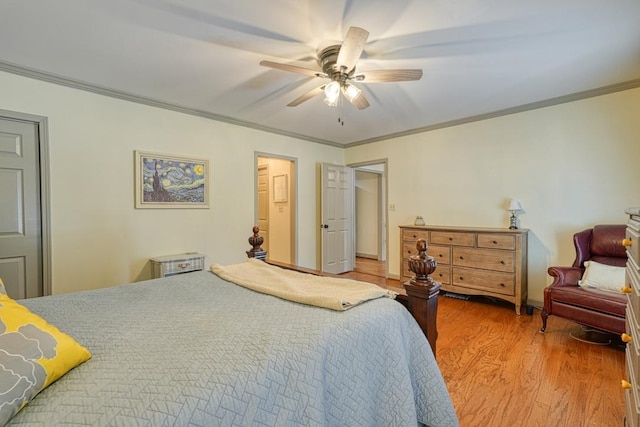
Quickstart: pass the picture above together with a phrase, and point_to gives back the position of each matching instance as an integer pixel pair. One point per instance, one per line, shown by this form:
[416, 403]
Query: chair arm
[565, 276]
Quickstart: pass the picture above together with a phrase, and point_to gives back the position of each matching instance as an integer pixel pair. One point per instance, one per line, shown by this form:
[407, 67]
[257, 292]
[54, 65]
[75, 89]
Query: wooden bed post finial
[422, 292]
[256, 241]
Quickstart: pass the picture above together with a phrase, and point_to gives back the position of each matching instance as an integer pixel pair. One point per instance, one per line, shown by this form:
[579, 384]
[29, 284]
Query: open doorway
[370, 214]
[276, 206]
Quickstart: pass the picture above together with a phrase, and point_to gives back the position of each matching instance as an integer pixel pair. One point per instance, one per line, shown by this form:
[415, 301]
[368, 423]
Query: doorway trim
[294, 225]
[384, 227]
[45, 191]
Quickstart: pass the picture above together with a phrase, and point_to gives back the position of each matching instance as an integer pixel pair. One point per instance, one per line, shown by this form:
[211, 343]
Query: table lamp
[514, 207]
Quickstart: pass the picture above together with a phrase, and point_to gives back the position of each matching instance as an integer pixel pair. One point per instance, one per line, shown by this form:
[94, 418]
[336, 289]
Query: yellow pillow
[33, 354]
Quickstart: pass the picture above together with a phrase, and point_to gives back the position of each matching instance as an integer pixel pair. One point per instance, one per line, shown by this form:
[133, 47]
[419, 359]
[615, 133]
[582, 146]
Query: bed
[194, 349]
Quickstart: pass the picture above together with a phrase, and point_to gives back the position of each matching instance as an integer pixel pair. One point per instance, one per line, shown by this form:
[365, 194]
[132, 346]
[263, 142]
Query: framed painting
[168, 181]
[280, 193]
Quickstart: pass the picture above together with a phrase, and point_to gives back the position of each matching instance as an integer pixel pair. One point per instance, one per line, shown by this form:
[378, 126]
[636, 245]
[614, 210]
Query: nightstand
[170, 265]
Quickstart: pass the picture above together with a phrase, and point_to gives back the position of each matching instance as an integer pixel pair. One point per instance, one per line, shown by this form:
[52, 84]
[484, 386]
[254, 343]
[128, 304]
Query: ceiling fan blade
[292, 68]
[307, 96]
[352, 47]
[380, 76]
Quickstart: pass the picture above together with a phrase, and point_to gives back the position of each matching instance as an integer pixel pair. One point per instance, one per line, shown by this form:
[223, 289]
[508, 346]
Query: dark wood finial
[256, 241]
[422, 265]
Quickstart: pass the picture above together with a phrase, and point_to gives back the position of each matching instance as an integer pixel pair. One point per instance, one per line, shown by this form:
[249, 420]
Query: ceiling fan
[338, 63]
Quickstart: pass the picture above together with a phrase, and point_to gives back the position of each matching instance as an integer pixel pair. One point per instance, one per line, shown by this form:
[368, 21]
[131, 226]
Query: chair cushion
[596, 300]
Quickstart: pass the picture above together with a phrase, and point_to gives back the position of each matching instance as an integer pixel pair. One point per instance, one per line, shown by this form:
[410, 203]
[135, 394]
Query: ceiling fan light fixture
[331, 93]
[351, 92]
[330, 103]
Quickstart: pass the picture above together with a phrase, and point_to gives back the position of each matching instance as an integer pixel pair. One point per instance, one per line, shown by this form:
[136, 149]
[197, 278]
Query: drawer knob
[502, 284]
[184, 264]
[495, 242]
[461, 257]
[626, 337]
[627, 290]
[502, 262]
[625, 384]
[627, 243]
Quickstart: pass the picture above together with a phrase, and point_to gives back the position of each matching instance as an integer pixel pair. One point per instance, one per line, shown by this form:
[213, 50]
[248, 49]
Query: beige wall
[571, 165]
[98, 238]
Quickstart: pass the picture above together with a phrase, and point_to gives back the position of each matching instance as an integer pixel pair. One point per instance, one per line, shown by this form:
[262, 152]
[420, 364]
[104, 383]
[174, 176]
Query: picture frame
[280, 189]
[166, 181]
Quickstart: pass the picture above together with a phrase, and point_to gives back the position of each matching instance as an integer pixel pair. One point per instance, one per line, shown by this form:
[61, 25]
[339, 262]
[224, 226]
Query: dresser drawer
[486, 259]
[453, 238]
[632, 415]
[414, 235]
[496, 241]
[631, 359]
[501, 283]
[634, 250]
[406, 271]
[409, 249]
[632, 409]
[632, 280]
[441, 274]
[440, 253]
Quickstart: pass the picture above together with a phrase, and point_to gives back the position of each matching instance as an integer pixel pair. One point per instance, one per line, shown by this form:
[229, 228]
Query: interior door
[20, 219]
[338, 253]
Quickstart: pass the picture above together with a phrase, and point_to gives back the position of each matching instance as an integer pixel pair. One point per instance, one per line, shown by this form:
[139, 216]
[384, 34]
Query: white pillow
[602, 276]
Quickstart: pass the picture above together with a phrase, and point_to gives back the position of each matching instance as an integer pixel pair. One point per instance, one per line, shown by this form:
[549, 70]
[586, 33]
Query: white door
[20, 219]
[338, 253]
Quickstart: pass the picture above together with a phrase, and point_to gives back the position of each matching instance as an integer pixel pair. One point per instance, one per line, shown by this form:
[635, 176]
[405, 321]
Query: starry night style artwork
[166, 181]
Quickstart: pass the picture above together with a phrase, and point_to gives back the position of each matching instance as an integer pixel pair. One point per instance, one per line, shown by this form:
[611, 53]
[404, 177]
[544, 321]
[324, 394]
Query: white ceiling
[480, 57]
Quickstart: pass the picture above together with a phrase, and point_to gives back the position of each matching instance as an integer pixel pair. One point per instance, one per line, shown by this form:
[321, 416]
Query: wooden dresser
[632, 336]
[473, 261]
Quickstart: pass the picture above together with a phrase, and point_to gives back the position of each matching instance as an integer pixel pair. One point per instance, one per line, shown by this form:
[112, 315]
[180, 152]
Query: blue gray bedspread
[194, 350]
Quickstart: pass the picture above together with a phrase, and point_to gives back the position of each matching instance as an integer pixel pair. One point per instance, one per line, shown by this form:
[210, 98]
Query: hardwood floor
[501, 371]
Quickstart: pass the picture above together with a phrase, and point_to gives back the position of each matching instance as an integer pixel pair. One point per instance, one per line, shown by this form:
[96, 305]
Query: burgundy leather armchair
[593, 308]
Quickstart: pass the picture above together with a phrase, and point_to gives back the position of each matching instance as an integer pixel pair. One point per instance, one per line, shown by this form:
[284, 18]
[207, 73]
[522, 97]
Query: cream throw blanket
[328, 292]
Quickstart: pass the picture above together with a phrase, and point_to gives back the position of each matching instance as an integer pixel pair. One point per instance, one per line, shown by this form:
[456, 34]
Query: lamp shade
[332, 92]
[351, 92]
[515, 205]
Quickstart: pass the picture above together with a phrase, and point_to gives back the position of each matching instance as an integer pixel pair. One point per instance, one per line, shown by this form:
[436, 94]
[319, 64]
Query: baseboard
[369, 256]
[536, 304]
